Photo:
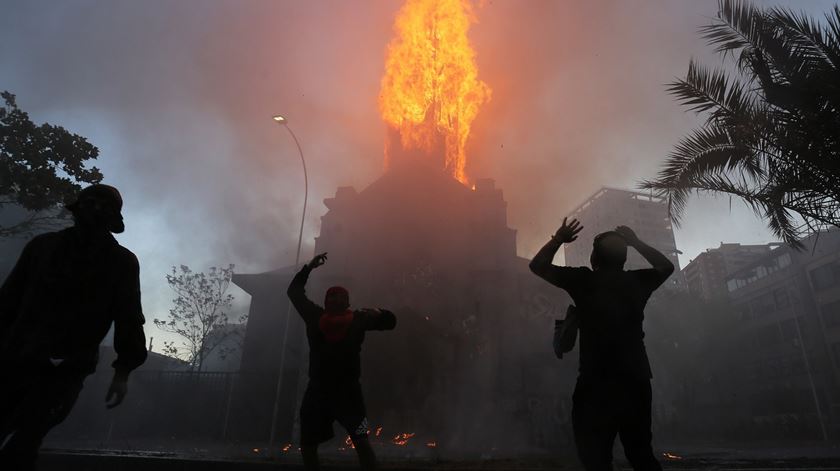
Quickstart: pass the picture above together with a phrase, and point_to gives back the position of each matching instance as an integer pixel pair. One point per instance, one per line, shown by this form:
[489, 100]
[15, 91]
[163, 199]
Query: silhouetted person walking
[613, 394]
[335, 335]
[56, 306]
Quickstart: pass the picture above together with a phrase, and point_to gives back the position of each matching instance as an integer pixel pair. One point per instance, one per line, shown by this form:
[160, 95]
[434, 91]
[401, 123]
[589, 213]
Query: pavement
[820, 457]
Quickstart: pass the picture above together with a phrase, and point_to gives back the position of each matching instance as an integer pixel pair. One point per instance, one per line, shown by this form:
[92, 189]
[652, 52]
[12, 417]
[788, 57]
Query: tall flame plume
[430, 91]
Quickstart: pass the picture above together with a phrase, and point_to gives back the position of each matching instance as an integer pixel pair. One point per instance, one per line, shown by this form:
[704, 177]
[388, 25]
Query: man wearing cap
[613, 393]
[56, 306]
[335, 335]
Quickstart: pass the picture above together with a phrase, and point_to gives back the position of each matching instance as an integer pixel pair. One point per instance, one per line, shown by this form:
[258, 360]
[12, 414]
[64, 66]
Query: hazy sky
[178, 96]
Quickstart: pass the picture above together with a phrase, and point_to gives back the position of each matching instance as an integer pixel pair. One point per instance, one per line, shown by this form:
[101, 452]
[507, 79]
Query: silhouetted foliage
[199, 316]
[771, 137]
[41, 168]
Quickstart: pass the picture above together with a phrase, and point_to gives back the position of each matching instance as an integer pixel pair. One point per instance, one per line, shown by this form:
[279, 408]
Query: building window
[825, 276]
[783, 260]
[780, 297]
[831, 314]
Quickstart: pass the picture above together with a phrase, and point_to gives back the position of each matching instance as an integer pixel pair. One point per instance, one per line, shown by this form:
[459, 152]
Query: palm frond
[771, 136]
[805, 39]
[832, 28]
[707, 151]
[765, 202]
[740, 25]
[704, 89]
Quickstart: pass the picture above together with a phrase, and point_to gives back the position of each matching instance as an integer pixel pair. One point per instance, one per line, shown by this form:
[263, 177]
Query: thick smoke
[179, 95]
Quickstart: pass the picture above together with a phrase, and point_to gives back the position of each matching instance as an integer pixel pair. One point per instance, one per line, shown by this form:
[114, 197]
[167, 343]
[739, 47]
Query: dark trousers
[34, 399]
[604, 408]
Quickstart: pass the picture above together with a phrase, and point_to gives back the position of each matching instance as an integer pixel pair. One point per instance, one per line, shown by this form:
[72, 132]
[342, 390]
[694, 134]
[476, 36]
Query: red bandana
[334, 325]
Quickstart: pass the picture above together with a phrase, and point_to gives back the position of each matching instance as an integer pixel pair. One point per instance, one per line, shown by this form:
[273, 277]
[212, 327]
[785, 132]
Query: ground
[766, 458]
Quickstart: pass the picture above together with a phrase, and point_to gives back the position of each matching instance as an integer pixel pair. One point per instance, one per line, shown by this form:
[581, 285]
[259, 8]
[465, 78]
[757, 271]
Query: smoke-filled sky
[178, 96]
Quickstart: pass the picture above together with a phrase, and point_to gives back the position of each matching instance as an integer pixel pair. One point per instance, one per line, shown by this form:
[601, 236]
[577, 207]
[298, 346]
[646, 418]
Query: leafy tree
[772, 132]
[199, 316]
[41, 168]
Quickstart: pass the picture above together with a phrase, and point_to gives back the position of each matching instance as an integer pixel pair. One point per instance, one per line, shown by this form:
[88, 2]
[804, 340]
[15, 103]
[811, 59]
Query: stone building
[474, 325]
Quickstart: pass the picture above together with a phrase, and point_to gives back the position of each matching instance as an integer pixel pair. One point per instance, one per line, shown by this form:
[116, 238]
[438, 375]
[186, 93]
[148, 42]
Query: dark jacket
[610, 304]
[338, 362]
[62, 296]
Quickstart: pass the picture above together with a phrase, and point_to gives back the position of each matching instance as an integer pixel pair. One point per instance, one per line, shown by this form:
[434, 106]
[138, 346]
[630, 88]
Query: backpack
[565, 332]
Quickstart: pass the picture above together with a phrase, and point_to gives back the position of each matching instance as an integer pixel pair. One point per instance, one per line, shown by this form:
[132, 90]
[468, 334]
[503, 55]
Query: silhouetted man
[335, 335]
[613, 393]
[56, 306]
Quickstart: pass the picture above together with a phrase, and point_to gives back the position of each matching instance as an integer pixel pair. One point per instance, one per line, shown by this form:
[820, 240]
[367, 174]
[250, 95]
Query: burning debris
[402, 439]
[430, 91]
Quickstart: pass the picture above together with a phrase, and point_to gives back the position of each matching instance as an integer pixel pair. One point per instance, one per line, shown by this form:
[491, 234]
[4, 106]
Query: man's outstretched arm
[297, 289]
[379, 319]
[541, 265]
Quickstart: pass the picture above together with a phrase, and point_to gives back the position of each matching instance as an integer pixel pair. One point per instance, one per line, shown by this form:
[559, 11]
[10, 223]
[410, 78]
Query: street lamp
[284, 122]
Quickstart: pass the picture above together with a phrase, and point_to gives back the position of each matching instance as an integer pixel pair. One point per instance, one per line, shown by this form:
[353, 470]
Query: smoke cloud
[179, 98]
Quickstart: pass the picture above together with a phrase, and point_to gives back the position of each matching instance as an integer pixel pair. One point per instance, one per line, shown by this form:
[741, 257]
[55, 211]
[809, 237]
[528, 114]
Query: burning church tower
[433, 245]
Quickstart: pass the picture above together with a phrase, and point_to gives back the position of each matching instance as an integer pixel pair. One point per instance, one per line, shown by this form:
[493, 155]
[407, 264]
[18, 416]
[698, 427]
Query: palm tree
[772, 134]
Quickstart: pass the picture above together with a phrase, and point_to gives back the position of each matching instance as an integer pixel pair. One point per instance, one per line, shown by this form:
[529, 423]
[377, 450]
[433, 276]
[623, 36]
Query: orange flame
[430, 90]
[671, 456]
[287, 447]
[402, 439]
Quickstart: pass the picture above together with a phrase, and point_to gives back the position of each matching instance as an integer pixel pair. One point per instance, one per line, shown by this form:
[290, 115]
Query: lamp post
[282, 121]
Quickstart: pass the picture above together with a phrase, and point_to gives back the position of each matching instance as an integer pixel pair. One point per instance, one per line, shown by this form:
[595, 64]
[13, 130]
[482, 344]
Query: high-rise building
[608, 208]
[787, 305]
[705, 276]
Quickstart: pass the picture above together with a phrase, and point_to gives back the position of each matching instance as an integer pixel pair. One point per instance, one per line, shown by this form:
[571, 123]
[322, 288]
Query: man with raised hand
[613, 393]
[335, 334]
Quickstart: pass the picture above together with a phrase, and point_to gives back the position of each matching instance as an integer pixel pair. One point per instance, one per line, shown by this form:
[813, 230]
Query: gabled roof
[254, 283]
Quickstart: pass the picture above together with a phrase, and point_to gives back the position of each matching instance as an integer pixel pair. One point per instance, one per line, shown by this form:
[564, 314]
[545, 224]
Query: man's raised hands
[318, 260]
[568, 232]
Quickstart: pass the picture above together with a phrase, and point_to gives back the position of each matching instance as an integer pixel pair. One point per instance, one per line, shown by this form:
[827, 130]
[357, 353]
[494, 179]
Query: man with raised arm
[65, 292]
[335, 334]
[613, 393]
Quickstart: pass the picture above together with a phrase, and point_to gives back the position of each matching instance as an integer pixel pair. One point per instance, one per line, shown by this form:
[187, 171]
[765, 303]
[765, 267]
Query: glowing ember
[431, 444]
[349, 443]
[286, 447]
[402, 439]
[378, 431]
[256, 450]
[430, 90]
[671, 456]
